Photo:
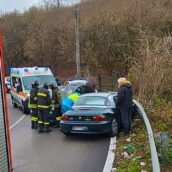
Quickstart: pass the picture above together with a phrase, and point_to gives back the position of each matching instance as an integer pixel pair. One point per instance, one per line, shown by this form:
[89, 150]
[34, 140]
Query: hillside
[131, 38]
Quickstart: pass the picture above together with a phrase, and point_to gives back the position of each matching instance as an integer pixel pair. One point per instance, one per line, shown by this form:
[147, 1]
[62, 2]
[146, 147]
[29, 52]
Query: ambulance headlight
[28, 95]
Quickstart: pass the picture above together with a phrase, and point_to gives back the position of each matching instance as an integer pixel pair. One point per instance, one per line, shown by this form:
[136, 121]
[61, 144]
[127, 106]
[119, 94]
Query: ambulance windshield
[28, 80]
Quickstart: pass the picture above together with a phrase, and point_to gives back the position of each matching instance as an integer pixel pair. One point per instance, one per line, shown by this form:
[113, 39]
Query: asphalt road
[54, 152]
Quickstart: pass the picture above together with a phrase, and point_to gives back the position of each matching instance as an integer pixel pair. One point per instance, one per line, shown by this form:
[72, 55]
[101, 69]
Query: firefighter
[55, 106]
[44, 103]
[33, 105]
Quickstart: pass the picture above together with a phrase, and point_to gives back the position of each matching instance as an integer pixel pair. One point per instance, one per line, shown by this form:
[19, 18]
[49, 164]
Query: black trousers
[43, 119]
[126, 118]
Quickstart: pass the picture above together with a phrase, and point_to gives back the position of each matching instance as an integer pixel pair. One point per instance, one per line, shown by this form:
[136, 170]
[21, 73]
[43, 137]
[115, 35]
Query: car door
[116, 110]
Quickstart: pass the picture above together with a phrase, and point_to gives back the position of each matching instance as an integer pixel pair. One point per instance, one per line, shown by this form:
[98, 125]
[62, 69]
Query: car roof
[102, 94]
[75, 81]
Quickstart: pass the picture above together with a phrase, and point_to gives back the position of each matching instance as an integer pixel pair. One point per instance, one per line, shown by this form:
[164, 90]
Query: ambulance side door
[14, 93]
[20, 91]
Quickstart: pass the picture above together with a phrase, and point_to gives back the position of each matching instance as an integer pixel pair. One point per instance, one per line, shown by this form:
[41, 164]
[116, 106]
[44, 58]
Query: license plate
[79, 128]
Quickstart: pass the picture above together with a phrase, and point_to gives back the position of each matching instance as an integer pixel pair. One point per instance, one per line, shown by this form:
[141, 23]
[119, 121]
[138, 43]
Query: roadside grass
[133, 151]
[133, 154]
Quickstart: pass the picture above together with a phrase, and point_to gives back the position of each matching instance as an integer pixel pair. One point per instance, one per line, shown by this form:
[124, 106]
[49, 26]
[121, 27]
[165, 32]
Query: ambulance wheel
[14, 104]
[25, 109]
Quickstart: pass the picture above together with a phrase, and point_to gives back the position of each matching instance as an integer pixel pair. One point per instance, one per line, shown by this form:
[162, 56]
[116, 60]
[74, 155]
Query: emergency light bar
[30, 71]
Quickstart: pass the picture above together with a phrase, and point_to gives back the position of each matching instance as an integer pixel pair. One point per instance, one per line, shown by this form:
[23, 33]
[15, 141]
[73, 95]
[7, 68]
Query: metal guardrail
[154, 156]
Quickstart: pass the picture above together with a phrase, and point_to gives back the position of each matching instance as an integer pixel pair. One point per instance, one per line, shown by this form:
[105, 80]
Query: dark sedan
[92, 113]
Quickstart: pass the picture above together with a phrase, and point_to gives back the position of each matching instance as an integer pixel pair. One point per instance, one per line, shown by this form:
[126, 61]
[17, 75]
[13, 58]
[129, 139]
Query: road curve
[54, 152]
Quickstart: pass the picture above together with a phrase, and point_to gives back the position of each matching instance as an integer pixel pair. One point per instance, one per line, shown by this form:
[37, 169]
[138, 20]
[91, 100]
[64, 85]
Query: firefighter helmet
[35, 83]
[45, 85]
[52, 86]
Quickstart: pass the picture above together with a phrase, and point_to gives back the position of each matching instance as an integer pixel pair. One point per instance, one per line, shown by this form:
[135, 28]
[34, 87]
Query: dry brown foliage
[116, 36]
[151, 72]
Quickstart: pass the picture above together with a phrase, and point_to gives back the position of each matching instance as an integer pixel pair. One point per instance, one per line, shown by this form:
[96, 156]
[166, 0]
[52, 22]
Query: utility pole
[77, 15]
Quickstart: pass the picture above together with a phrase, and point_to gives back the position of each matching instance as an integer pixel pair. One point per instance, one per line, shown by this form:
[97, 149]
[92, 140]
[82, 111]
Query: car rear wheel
[67, 134]
[114, 128]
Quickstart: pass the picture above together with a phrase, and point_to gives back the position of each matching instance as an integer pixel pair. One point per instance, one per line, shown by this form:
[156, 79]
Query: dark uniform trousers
[56, 105]
[33, 107]
[43, 119]
[44, 102]
[34, 117]
[58, 114]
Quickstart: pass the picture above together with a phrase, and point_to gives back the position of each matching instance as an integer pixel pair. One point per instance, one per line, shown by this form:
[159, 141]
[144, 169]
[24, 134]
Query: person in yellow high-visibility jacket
[68, 102]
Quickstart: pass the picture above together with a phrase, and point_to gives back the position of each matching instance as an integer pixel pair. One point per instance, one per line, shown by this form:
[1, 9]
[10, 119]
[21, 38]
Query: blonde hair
[123, 81]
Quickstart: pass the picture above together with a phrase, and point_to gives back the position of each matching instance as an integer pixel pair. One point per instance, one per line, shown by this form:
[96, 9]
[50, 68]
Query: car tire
[67, 134]
[114, 128]
[14, 104]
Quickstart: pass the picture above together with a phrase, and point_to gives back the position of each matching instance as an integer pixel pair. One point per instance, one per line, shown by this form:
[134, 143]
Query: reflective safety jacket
[56, 98]
[68, 102]
[74, 97]
[44, 100]
[33, 99]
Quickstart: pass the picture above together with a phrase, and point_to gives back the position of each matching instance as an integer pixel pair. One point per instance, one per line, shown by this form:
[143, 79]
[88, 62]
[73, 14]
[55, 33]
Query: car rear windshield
[92, 101]
[28, 80]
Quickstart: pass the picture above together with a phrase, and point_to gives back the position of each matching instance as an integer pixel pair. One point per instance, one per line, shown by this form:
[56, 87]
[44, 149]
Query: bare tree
[54, 2]
[57, 2]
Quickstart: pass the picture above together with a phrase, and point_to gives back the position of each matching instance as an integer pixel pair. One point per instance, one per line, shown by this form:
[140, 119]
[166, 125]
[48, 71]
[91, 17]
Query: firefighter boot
[40, 129]
[32, 124]
[35, 125]
[47, 129]
[58, 124]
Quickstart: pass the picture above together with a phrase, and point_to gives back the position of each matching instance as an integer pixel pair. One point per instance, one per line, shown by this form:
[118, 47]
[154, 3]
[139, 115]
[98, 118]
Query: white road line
[111, 156]
[17, 122]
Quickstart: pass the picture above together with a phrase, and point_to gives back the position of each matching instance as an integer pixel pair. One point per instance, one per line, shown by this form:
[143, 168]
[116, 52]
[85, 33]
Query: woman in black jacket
[124, 103]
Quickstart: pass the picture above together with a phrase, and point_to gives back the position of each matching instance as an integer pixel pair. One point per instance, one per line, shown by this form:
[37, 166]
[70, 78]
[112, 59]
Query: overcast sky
[21, 5]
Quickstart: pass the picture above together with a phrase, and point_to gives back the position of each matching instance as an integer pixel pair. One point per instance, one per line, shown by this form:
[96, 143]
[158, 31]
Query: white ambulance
[21, 83]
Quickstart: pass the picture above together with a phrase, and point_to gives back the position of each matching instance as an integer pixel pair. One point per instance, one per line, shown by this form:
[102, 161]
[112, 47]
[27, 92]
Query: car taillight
[100, 118]
[64, 118]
